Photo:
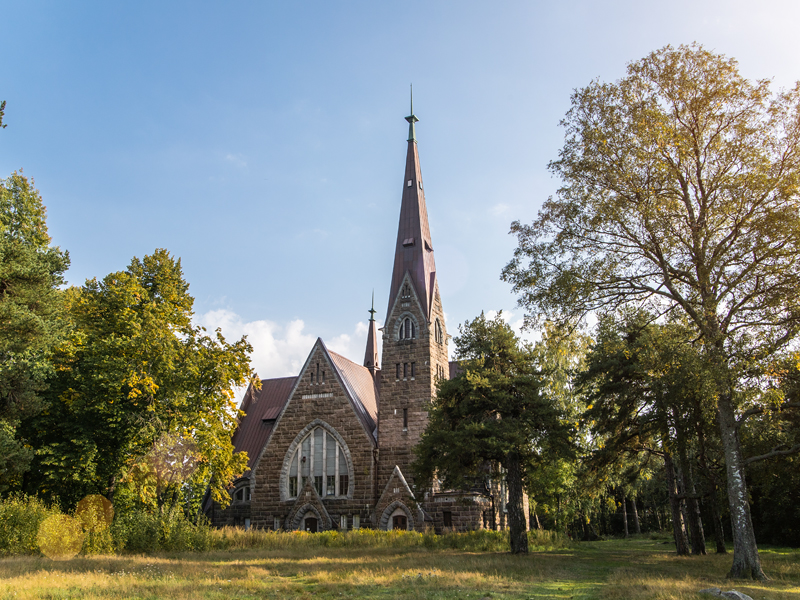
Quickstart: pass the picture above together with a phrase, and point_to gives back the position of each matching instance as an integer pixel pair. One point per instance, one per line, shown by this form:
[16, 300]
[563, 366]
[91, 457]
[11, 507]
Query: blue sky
[264, 142]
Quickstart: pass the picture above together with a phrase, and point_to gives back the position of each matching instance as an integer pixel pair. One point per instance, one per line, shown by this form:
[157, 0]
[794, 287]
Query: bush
[140, 532]
[20, 519]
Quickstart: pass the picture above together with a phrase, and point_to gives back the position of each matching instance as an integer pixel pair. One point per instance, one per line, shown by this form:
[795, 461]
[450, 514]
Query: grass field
[637, 569]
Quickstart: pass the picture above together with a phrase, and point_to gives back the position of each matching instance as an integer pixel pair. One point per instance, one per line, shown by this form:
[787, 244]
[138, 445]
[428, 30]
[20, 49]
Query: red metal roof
[261, 407]
[360, 385]
[414, 250]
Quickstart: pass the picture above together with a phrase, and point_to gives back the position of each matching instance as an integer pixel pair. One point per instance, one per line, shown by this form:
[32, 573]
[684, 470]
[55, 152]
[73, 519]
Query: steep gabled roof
[261, 408]
[359, 384]
[414, 249]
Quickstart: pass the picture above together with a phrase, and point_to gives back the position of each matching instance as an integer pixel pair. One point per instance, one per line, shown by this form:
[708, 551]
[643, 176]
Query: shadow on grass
[608, 570]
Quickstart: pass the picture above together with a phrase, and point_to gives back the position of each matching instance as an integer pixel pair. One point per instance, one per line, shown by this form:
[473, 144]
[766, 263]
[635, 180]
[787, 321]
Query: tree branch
[774, 452]
[757, 410]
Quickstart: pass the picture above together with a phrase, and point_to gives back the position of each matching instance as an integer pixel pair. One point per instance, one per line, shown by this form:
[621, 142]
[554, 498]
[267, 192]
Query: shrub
[20, 519]
[141, 532]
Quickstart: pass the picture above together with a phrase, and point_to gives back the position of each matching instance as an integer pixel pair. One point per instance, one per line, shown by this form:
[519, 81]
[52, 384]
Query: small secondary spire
[371, 352]
[412, 118]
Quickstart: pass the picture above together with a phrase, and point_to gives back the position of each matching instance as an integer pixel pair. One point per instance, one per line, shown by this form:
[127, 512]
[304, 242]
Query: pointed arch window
[319, 457]
[408, 329]
[438, 333]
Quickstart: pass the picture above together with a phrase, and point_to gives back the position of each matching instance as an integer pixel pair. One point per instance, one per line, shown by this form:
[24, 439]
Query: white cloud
[279, 350]
[499, 209]
[237, 160]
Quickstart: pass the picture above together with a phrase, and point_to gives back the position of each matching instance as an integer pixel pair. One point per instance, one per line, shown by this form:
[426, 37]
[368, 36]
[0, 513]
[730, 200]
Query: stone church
[331, 448]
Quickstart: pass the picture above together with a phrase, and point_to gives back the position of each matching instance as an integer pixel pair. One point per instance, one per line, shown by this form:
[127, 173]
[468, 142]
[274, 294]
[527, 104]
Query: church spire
[371, 354]
[414, 250]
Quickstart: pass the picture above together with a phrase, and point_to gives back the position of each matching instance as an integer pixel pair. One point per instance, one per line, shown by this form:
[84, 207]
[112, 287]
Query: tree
[136, 369]
[494, 411]
[680, 192]
[2, 113]
[31, 270]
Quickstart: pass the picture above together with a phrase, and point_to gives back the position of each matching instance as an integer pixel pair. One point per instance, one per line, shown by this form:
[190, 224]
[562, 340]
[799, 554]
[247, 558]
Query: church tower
[414, 335]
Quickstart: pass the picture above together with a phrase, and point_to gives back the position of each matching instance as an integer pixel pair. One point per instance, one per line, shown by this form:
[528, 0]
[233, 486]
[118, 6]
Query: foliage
[137, 369]
[144, 532]
[2, 114]
[31, 270]
[20, 518]
[680, 192]
[494, 411]
[557, 488]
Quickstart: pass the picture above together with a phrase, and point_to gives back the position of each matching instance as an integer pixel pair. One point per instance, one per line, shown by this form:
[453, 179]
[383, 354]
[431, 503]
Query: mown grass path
[617, 569]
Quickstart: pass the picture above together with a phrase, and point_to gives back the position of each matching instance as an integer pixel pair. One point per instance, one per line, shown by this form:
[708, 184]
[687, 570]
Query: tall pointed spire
[414, 250]
[371, 354]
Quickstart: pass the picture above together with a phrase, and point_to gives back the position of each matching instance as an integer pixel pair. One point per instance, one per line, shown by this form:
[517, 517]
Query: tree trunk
[625, 515]
[678, 527]
[695, 520]
[636, 525]
[518, 534]
[692, 511]
[711, 490]
[746, 562]
[535, 519]
[719, 532]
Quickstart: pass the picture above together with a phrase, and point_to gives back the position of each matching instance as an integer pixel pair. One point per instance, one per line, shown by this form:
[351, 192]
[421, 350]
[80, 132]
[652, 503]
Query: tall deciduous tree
[136, 368]
[493, 410]
[30, 305]
[681, 191]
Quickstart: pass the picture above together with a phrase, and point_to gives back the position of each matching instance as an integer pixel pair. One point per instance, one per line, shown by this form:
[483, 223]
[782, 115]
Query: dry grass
[639, 568]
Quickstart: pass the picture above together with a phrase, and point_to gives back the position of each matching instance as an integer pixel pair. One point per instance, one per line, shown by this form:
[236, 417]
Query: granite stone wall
[327, 405]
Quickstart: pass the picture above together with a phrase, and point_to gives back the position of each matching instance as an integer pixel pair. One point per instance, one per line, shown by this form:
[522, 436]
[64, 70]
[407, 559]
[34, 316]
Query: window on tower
[408, 329]
[438, 332]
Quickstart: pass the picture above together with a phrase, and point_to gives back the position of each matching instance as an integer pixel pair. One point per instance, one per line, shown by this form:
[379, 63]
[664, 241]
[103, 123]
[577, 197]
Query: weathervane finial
[372, 310]
[412, 118]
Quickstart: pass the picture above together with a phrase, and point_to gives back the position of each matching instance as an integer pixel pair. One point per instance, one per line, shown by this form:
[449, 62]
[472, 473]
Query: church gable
[323, 438]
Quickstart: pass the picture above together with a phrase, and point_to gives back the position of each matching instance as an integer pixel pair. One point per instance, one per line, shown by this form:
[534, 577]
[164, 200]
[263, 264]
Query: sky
[264, 143]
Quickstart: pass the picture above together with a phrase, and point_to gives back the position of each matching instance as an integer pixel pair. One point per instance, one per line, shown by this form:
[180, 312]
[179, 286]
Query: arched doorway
[397, 516]
[400, 521]
[311, 524]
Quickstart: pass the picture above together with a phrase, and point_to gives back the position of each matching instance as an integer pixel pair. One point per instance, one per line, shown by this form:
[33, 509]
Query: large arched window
[320, 457]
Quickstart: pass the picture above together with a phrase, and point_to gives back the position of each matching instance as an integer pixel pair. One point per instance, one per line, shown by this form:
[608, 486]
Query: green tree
[556, 485]
[136, 369]
[31, 270]
[2, 114]
[680, 192]
[493, 410]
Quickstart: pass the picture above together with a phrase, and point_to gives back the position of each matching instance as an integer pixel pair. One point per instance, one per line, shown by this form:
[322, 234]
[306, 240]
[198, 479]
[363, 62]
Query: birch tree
[680, 193]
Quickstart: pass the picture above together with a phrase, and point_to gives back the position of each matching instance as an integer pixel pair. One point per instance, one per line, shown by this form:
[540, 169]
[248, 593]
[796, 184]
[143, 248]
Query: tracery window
[320, 457]
[438, 333]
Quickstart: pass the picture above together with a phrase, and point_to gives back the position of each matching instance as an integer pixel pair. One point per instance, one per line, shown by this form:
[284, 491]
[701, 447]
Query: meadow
[395, 565]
